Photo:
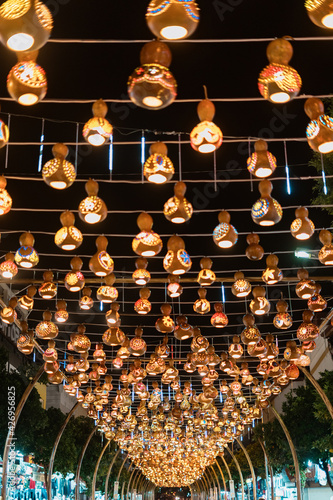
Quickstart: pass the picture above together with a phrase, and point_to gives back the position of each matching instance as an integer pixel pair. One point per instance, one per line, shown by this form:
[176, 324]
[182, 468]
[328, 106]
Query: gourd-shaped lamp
[158, 168]
[138, 346]
[152, 85]
[4, 138]
[302, 228]
[201, 306]
[59, 173]
[26, 256]
[101, 264]
[143, 306]
[305, 288]
[24, 24]
[266, 211]
[206, 276]
[261, 163]
[8, 268]
[46, 329]
[174, 288]
[8, 313]
[282, 320]
[254, 251]
[107, 293]
[26, 81]
[74, 280]
[219, 318]
[165, 324]
[279, 82]
[112, 316]
[98, 131]
[317, 303]
[325, 255]
[319, 131]
[235, 350]
[183, 329]
[48, 289]
[250, 335]
[259, 305]
[173, 20]
[61, 315]
[206, 137]
[141, 276]
[307, 330]
[177, 260]
[26, 302]
[272, 274]
[146, 243]
[177, 209]
[225, 235]
[5, 198]
[241, 286]
[320, 12]
[92, 209]
[68, 237]
[86, 302]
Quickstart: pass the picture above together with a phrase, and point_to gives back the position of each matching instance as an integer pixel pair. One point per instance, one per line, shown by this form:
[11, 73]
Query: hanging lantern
[27, 301]
[113, 337]
[5, 198]
[307, 330]
[177, 209]
[146, 243]
[250, 335]
[141, 276]
[174, 288]
[201, 306]
[325, 255]
[8, 313]
[259, 305]
[279, 82]
[24, 24]
[80, 341]
[206, 137]
[317, 303]
[266, 211]
[59, 173]
[98, 131]
[152, 85]
[261, 163]
[302, 228]
[172, 20]
[177, 260]
[101, 263]
[68, 237]
[26, 81]
[320, 12]
[26, 256]
[219, 318]
[92, 209]
[241, 287]
[183, 329]
[74, 280]
[112, 316]
[282, 320]
[158, 168]
[86, 302]
[206, 276]
[143, 306]
[236, 350]
[138, 346]
[272, 274]
[165, 324]
[225, 235]
[4, 138]
[305, 288]
[48, 290]
[254, 251]
[25, 343]
[8, 268]
[107, 293]
[46, 329]
[319, 131]
[61, 316]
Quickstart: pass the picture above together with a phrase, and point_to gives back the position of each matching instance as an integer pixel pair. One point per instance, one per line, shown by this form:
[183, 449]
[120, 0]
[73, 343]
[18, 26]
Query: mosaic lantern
[143, 306]
[219, 318]
[113, 337]
[107, 293]
[291, 352]
[320, 12]
[141, 276]
[101, 264]
[61, 316]
[112, 316]
[259, 305]
[206, 276]
[254, 251]
[26, 81]
[146, 243]
[74, 280]
[27, 301]
[92, 209]
[282, 320]
[325, 255]
[261, 163]
[317, 303]
[235, 350]
[206, 137]
[225, 235]
[5, 198]
[172, 20]
[177, 261]
[241, 286]
[98, 131]
[80, 341]
[305, 288]
[165, 324]
[158, 168]
[46, 329]
[8, 268]
[183, 329]
[307, 330]
[174, 288]
[48, 290]
[26, 256]
[266, 211]
[177, 209]
[86, 302]
[59, 173]
[199, 342]
[138, 346]
[302, 228]
[319, 131]
[201, 306]
[68, 237]
[272, 274]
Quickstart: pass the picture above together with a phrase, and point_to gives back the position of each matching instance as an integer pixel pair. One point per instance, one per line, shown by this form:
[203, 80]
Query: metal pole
[293, 452]
[268, 468]
[54, 450]
[218, 482]
[11, 431]
[136, 471]
[319, 389]
[78, 470]
[123, 487]
[93, 488]
[254, 481]
[239, 470]
[108, 474]
[227, 467]
[222, 475]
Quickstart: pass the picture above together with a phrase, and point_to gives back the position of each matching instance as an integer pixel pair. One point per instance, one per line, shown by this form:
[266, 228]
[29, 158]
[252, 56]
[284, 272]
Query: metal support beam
[109, 472]
[254, 481]
[268, 468]
[239, 470]
[78, 470]
[123, 486]
[135, 472]
[222, 475]
[217, 481]
[93, 487]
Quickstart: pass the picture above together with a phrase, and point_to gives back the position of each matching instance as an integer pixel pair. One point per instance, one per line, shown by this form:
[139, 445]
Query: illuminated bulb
[261, 163]
[158, 168]
[266, 211]
[319, 131]
[241, 287]
[86, 302]
[141, 276]
[59, 173]
[206, 137]
[272, 274]
[26, 82]
[146, 243]
[97, 131]
[26, 256]
[177, 261]
[8, 268]
[68, 237]
[74, 280]
[172, 20]
[302, 228]
[61, 315]
[92, 209]
[225, 235]
[320, 12]
[177, 209]
[101, 264]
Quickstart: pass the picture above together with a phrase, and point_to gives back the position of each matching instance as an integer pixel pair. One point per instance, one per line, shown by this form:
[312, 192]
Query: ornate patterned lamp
[165, 324]
[143, 306]
[307, 330]
[206, 137]
[172, 20]
[46, 329]
[225, 235]
[4, 137]
[261, 163]
[177, 260]
[80, 341]
[317, 303]
[282, 320]
[325, 255]
[319, 132]
[112, 316]
[302, 228]
[259, 305]
[236, 350]
[138, 346]
[101, 263]
[92, 209]
[183, 329]
[74, 280]
[177, 209]
[24, 24]
[266, 211]
[141, 276]
[152, 85]
[8, 268]
[97, 131]
[59, 173]
[146, 243]
[27, 301]
[68, 237]
[174, 288]
[26, 82]
[320, 12]
[5, 198]
[250, 335]
[61, 316]
[305, 288]
[254, 251]
[206, 276]
[279, 82]
[272, 274]
[48, 290]
[86, 302]
[241, 286]
[201, 306]
[8, 313]
[219, 318]
[158, 168]
[26, 256]
[107, 293]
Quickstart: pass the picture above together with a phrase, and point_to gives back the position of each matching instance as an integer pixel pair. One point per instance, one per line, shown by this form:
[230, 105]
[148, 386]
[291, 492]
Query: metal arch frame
[227, 468]
[93, 488]
[121, 467]
[217, 480]
[293, 452]
[55, 447]
[239, 470]
[78, 470]
[211, 482]
[109, 472]
[254, 480]
[206, 487]
[222, 475]
[10, 434]
[268, 468]
[123, 486]
[135, 472]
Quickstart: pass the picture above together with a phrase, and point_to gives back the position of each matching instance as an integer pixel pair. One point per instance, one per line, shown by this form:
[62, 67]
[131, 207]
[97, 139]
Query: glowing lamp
[92, 209]
[279, 82]
[317, 303]
[26, 302]
[325, 255]
[46, 329]
[305, 288]
[59, 173]
[86, 302]
[307, 330]
[68, 237]
[177, 260]
[236, 350]
[143, 306]
[141, 276]
[254, 251]
[250, 335]
[8, 313]
[272, 274]
[158, 168]
[225, 235]
[48, 289]
[61, 315]
[101, 264]
[282, 320]
[241, 286]
[206, 137]
[97, 131]
[319, 131]
[4, 137]
[24, 24]
[26, 81]
[146, 243]
[259, 305]
[152, 85]
[266, 211]
[5, 198]
[174, 288]
[177, 209]
[201, 306]
[219, 318]
[206, 276]
[172, 20]
[261, 163]
[8, 268]
[320, 12]
[138, 346]
[74, 280]
[302, 228]
[26, 256]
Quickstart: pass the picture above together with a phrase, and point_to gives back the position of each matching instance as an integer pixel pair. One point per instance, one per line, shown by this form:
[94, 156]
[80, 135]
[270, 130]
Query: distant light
[302, 254]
